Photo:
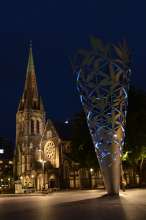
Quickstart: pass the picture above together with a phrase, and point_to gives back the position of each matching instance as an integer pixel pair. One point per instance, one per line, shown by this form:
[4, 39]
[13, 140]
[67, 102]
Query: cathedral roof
[71, 157]
[65, 131]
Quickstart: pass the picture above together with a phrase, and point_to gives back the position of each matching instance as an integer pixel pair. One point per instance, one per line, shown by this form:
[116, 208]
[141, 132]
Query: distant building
[6, 156]
[37, 141]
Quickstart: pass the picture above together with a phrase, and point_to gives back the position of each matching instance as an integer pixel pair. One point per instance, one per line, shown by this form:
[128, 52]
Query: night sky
[56, 28]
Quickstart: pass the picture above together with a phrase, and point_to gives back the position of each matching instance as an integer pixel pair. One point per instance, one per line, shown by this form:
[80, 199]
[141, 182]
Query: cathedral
[41, 156]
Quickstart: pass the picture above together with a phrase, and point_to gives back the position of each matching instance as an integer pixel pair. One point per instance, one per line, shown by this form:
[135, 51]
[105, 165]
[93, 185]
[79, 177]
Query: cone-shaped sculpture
[103, 82]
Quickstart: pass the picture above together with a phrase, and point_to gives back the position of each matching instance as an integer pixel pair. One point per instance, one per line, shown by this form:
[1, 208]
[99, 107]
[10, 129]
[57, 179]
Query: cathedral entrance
[52, 181]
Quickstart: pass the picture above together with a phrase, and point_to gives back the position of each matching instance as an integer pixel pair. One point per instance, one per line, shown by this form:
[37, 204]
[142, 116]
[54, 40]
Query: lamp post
[32, 179]
[91, 177]
[9, 182]
[1, 182]
[42, 160]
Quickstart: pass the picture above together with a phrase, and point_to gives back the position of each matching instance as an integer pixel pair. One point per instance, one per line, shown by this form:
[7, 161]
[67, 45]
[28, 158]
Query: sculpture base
[111, 176]
[113, 194]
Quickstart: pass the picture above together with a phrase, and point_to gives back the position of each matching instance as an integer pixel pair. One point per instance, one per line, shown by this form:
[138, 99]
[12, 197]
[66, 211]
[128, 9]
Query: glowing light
[1, 151]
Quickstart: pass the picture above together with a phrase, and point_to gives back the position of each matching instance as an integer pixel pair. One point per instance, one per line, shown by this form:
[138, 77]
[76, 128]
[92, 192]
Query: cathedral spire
[30, 66]
[30, 99]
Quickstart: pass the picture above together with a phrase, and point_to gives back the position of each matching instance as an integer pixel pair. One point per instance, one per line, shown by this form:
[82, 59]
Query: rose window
[50, 150]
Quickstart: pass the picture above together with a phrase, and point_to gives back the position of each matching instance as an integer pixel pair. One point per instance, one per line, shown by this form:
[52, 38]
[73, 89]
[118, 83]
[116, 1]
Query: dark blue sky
[57, 28]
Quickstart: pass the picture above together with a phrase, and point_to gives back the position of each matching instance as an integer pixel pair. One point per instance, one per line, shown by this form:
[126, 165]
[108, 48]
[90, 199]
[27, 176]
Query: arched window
[38, 126]
[66, 170]
[32, 125]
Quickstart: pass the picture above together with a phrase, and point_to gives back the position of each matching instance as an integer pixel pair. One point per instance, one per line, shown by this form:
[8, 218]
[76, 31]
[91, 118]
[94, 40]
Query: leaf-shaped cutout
[113, 86]
[108, 118]
[99, 45]
[123, 97]
[84, 61]
[93, 42]
[89, 61]
[90, 76]
[118, 61]
[106, 99]
[119, 52]
[118, 75]
[120, 46]
[91, 85]
[96, 64]
[82, 75]
[115, 100]
[79, 82]
[121, 92]
[103, 74]
[93, 99]
[117, 116]
[106, 49]
[103, 82]
[83, 52]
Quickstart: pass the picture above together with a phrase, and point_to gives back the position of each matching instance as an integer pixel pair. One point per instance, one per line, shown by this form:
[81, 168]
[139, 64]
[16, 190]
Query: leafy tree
[82, 145]
[134, 155]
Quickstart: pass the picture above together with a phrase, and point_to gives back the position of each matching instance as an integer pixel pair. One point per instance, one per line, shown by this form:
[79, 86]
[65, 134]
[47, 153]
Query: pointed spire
[41, 105]
[30, 99]
[30, 66]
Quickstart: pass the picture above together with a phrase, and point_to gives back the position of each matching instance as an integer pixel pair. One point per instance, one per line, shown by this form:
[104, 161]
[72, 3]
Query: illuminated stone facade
[33, 134]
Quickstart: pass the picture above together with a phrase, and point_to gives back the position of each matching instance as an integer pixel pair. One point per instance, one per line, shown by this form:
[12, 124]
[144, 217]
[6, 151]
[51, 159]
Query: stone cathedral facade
[38, 143]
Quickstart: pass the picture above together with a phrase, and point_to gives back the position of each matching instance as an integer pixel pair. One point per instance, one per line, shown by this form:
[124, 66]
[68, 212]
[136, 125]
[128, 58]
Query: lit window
[1, 161]
[10, 162]
[1, 151]
[6, 166]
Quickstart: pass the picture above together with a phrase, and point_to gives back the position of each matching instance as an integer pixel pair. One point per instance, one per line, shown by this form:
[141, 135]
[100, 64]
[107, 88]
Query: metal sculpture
[103, 82]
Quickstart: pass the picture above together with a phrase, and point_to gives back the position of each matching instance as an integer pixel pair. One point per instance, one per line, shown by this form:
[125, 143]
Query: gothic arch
[39, 125]
[52, 181]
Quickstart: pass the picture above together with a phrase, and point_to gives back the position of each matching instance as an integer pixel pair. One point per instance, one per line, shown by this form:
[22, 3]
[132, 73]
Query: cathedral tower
[30, 122]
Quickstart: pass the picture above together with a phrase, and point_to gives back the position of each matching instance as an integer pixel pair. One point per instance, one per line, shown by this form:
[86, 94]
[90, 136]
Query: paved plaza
[74, 205]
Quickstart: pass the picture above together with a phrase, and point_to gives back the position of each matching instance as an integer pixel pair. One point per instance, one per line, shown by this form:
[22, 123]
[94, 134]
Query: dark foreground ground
[74, 205]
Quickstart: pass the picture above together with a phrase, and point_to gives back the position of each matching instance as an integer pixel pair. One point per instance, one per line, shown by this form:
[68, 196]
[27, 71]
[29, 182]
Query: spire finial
[30, 44]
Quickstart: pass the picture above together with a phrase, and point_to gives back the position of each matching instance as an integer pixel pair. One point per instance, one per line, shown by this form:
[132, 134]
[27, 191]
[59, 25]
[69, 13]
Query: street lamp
[91, 177]
[1, 181]
[43, 167]
[32, 179]
[9, 182]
